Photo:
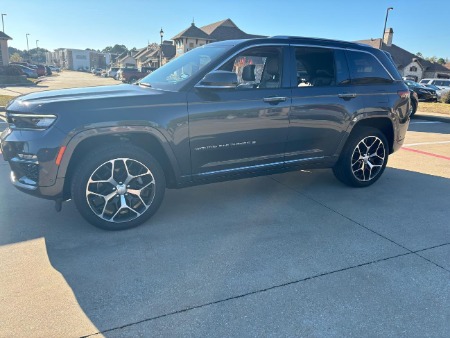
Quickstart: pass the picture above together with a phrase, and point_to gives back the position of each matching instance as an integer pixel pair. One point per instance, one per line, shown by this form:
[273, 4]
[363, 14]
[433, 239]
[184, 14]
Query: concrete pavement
[294, 254]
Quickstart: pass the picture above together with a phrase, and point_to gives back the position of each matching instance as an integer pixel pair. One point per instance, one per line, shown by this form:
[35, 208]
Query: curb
[430, 117]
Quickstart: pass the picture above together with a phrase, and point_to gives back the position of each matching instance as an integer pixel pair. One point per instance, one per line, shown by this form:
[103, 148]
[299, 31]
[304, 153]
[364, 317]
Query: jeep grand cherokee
[226, 110]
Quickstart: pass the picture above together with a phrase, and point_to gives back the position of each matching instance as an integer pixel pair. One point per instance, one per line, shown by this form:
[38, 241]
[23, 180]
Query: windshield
[174, 74]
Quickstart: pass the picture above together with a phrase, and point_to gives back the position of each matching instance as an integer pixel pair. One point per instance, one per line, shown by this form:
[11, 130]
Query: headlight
[30, 121]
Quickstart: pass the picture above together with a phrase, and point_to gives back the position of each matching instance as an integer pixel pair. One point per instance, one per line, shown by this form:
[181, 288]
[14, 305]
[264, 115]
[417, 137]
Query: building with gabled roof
[408, 64]
[193, 36]
[4, 55]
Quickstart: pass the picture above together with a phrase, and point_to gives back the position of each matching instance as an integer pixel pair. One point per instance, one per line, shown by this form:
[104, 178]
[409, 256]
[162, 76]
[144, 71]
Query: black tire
[135, 169]
[413, 108]
[361, 174]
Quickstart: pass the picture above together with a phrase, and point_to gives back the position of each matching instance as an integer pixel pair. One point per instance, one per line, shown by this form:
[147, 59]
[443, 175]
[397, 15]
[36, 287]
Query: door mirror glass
[219, 79]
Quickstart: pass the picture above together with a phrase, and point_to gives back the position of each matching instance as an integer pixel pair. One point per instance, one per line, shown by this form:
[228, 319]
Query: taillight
[404, 94]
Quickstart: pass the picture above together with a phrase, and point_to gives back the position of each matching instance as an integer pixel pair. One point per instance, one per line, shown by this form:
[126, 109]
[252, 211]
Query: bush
[446, 97]
[10, 70]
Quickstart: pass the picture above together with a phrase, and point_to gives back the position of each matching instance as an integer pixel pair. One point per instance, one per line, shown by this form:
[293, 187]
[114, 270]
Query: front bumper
[31, 156]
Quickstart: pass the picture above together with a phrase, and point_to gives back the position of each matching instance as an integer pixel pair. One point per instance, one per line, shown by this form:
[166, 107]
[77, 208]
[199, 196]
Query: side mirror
[219, 79]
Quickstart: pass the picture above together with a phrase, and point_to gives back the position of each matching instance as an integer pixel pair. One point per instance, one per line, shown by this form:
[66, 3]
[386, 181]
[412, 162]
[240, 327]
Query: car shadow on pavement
[219, 241]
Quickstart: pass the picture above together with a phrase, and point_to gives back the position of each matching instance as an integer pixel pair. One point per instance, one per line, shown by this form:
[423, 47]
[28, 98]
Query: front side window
[256, 68]
[366, 69]
[174, 74]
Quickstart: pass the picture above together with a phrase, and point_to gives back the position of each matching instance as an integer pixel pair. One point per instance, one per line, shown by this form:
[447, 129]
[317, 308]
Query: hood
[79, 94]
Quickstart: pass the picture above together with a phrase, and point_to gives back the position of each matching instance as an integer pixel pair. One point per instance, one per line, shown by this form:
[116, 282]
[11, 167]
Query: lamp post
[3, 23]
[161, 33]
[385, 22]
[28, 47]
[37, 51]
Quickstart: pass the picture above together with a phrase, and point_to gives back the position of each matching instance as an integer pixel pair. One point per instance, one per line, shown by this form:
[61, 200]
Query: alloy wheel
[368, 158]
[120, 190]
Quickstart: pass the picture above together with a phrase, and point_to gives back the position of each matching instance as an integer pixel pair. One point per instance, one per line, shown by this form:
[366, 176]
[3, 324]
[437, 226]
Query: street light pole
[3, 23]
[385, 22]
[161, 33]
[37, 47]
[28, 47]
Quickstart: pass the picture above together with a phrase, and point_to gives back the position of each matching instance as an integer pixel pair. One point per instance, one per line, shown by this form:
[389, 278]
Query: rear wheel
[363, 158]
[118, 187]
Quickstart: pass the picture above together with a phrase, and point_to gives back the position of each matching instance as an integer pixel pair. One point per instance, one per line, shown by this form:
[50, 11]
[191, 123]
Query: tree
[441, 61]
[419, 54]
[15, 58]
[117, 49]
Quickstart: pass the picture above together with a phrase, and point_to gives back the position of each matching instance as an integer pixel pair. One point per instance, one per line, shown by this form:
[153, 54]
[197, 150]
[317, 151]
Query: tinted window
[255, 68]
[315, 67]
[366, 69]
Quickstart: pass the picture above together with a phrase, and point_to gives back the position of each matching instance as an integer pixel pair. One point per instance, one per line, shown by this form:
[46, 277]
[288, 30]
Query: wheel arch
[384, 124]
[149, 140]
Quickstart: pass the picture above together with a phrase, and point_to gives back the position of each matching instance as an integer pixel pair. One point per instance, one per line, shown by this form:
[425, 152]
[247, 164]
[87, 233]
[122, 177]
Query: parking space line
[426, 153]
[425, 143]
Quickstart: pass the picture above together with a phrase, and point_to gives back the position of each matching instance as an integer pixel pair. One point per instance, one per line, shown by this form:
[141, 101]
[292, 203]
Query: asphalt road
[294, 254]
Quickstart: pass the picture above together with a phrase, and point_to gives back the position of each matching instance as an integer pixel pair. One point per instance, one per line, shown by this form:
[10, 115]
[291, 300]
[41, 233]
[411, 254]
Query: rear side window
[316, 67]
[366, 69]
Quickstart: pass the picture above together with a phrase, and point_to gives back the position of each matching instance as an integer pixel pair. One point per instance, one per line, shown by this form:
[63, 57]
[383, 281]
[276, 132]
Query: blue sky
[100, 23]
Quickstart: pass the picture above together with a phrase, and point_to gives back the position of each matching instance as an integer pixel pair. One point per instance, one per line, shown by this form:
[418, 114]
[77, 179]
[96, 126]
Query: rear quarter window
[366, 69]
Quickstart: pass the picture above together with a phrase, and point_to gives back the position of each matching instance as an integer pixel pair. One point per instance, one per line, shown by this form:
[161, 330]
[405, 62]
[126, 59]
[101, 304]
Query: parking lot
[296, 254]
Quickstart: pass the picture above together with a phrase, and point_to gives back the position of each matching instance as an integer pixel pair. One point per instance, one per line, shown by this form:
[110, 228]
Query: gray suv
[227, 110]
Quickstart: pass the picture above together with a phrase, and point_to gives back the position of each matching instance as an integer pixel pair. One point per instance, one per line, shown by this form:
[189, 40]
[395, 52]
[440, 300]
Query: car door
[243, 128]
[322, 102]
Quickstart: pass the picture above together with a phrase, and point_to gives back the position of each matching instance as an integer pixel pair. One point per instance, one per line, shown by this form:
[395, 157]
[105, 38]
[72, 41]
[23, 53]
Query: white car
[441, 83]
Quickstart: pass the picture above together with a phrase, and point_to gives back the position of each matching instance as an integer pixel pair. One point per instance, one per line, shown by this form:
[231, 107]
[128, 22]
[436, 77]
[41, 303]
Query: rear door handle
[274, 99]
[347, 95]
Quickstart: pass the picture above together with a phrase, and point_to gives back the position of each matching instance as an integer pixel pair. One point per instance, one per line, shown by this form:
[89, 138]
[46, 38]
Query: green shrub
[10, 70]
[446, 97]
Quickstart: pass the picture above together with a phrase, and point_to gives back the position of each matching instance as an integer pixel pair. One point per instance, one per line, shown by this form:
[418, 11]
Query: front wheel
[363, 158]
[118, 187]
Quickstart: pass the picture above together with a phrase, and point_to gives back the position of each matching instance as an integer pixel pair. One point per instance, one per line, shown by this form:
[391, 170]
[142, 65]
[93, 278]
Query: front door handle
[347, 96]
[274, 99]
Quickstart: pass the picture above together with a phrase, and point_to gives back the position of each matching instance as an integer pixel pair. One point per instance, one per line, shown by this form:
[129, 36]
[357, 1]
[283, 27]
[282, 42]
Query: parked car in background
[48, 71]
[423, 93]
[112, 72]
[97, 71]
[55, 69]
[441, 83]
[439, 91]
[130, 75]
[29, 72]
[41, 71]
[414, 102]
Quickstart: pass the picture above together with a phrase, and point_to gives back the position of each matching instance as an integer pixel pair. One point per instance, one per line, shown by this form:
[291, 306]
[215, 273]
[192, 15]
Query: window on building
[413, 69]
